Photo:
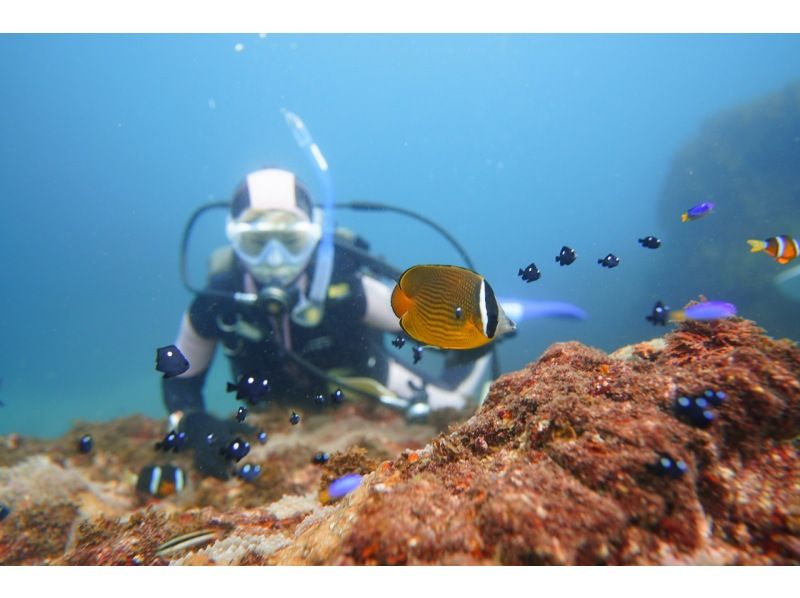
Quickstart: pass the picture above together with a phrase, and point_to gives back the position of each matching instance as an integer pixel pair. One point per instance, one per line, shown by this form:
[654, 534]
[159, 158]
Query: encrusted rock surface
[554, 468]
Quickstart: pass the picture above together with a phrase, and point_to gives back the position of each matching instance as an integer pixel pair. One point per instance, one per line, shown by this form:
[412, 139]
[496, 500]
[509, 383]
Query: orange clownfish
[448, 307]
[160, 481]
[783, 248]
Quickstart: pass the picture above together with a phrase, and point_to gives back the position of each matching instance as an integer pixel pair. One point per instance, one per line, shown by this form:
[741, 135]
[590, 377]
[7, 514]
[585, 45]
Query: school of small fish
[449, 307]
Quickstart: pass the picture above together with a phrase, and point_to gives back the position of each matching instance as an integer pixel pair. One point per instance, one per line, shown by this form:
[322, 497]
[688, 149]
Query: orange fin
[401, 302]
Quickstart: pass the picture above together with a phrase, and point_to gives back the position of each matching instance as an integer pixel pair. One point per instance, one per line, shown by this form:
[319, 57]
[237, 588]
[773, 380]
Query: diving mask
[276, 239]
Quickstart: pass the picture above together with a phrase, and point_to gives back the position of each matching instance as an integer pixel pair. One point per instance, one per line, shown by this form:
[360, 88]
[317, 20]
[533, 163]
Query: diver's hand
[207, 434]
[418, 413]
[424, 399]
[439, 398]
[436, 398]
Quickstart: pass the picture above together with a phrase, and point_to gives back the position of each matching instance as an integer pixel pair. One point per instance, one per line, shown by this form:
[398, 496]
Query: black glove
[208, 436]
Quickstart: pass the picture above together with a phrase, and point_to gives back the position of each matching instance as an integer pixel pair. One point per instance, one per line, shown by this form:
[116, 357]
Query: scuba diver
[260, 306]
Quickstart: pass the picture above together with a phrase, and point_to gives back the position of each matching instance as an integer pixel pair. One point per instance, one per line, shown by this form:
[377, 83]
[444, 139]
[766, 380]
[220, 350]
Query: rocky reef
[562, 464]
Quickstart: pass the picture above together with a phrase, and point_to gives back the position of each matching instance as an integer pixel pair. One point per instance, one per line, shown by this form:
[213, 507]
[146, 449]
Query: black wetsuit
[341, 340]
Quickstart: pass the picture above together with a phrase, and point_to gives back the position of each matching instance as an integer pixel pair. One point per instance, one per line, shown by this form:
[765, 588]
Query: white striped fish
[160, 480]
[782, 248]
[184, 541]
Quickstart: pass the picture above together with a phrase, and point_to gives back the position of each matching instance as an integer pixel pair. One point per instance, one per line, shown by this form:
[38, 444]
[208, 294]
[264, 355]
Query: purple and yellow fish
[706, 310]
[340, 487]
[448, 307]
[698, 211]
[782, 248]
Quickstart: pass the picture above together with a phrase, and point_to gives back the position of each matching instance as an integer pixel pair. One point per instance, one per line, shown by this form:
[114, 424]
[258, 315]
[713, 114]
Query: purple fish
[698, 211]
[344, 485]
[710, 310]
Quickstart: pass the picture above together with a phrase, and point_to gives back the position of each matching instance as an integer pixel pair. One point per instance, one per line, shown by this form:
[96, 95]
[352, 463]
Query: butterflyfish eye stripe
[482, 307]
[491, 311]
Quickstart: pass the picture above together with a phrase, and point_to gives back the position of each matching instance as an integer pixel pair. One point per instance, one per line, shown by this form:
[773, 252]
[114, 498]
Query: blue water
[516, 144]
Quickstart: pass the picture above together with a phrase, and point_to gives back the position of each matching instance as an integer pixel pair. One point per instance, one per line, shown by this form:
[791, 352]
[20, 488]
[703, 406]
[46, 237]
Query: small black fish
[695, 411]
[251, 387]
[321, 458]
[610, 261]
[337, 396]
[4, 511]
[249, 472]
[236, 450]
[399, 341]
[294, 418]
[530, 273]
[659, 315]
[171, 361]
[417, 352]
[716, 398]
[650, 242]
[241, 414]
[173, 441]
[85, 444]
[320, 400]
[567, 256]
[666, 466]
[262, 437]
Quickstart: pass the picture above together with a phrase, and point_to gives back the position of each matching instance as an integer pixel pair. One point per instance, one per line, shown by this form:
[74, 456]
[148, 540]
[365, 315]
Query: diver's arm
[197, 349]
[379, 312]
[184, 393]
[403, 381]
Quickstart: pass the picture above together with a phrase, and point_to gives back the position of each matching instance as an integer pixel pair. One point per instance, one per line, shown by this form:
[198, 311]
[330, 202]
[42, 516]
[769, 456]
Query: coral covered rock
[579, 458]
[555, 468]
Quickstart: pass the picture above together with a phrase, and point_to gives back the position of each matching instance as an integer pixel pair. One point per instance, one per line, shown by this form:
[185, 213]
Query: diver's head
[273, 226]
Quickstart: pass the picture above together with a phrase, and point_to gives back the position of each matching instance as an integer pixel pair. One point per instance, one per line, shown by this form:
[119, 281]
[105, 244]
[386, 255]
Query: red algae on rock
[38, 534]
[565, 479]
[556, 467]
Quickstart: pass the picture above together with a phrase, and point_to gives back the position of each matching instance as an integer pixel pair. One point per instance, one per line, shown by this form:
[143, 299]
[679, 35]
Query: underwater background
[516, 144]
